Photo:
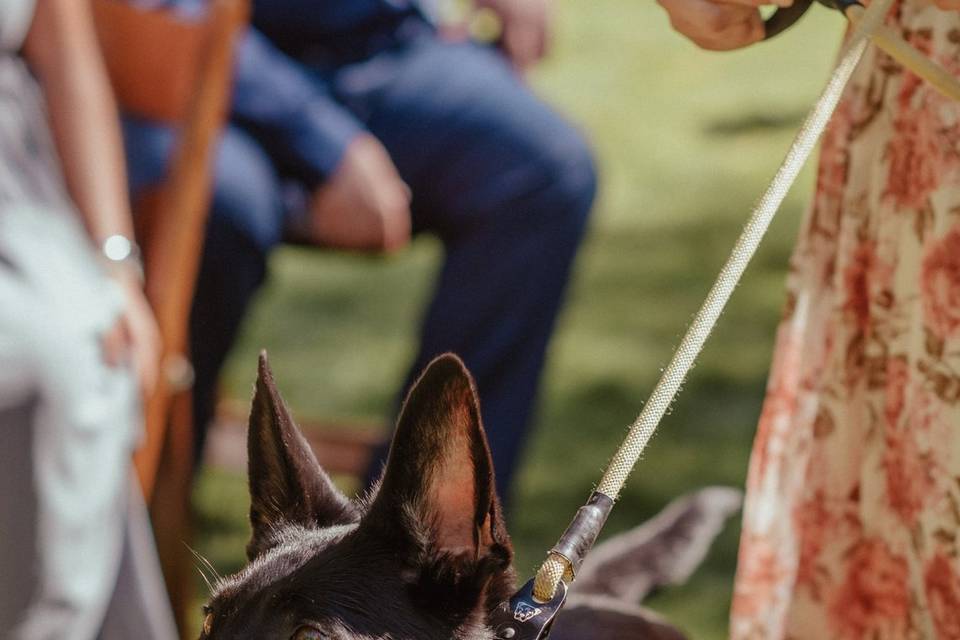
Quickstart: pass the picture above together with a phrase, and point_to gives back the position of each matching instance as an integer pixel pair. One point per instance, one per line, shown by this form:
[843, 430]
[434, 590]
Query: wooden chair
[170, 70]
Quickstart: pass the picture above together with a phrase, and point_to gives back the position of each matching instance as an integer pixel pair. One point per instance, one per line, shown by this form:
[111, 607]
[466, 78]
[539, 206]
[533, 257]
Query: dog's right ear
[438, 489]
[287, 485]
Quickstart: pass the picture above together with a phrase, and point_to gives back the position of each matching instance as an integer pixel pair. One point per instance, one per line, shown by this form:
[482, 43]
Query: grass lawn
[686, 140]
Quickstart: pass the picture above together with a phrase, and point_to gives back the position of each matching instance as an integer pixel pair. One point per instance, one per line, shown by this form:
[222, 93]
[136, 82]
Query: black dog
[427, 556]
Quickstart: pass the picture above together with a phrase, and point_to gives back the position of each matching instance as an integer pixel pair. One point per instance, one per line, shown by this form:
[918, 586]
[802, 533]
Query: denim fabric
[505, 183]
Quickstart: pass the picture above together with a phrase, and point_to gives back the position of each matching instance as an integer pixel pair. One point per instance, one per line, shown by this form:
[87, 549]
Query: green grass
[686, 140]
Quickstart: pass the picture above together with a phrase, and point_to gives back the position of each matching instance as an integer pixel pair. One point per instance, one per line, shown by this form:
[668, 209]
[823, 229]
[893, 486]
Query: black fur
[425, 557]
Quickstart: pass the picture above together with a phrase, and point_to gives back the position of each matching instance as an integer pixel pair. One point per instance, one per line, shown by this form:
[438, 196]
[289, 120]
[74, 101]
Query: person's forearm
[62, 49]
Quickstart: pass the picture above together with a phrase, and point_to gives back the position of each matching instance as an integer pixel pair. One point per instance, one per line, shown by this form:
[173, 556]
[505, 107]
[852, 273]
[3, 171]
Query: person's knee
[576, 174]
[570, 178]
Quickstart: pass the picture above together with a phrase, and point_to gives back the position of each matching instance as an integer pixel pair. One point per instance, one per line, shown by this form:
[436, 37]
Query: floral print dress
[852, 521]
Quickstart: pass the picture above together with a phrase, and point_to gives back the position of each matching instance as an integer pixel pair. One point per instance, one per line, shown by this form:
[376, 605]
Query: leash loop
[784, 18]
[557, 568]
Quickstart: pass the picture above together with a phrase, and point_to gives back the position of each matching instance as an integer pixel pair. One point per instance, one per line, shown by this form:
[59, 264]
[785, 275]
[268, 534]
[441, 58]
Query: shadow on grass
[754, 122]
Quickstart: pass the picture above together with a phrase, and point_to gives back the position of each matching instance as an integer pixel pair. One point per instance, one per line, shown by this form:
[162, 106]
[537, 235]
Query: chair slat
[153, 58]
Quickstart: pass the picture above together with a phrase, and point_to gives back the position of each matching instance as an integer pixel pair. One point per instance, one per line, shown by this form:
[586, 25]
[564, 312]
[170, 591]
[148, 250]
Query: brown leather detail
[153, 58]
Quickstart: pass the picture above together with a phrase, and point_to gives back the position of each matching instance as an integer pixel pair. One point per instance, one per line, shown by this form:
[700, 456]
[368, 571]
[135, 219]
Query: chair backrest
[176, 71]
[152, 58]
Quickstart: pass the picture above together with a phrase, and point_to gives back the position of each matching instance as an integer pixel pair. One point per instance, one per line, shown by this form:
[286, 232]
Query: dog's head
[427, 556]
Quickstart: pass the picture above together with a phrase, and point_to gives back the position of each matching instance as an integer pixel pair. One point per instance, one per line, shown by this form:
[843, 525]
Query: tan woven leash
[564, 558]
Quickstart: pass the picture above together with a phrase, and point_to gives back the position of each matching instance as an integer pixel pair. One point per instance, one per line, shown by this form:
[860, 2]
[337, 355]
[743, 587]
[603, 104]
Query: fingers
[524, 44]
[114, 344]
[526, 36]
[146, 344]
[524, 28]
[718, 25]
[134, 339]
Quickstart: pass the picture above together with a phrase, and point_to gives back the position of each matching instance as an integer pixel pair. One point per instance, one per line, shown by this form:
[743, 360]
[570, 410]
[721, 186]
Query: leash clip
[523, 618]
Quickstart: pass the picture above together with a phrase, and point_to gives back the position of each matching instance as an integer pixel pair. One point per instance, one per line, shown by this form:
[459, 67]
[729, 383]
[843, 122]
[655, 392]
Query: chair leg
[171, 513]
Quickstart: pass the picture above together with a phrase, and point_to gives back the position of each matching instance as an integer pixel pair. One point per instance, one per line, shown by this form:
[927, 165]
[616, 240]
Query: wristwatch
[119, 250]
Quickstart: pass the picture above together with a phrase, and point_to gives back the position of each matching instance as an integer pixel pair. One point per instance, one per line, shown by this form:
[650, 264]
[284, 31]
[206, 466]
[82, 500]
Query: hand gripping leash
[530, 613]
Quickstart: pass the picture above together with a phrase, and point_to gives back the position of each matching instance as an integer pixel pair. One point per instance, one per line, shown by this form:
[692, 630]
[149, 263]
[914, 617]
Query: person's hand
[721, 25]
[526, 31]
[364, 205]
[135, 336]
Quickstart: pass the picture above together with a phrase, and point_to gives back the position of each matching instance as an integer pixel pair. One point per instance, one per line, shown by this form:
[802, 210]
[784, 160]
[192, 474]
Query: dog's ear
[287, 485]
[439, 479]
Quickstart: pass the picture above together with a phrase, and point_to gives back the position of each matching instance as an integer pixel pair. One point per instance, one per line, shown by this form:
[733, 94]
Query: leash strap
[557, 568]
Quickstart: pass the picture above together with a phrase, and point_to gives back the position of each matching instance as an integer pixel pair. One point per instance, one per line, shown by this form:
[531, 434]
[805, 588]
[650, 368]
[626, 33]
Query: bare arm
[62, 49]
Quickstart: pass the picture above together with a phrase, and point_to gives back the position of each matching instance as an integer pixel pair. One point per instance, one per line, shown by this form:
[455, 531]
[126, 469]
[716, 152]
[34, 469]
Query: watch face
[118, 248]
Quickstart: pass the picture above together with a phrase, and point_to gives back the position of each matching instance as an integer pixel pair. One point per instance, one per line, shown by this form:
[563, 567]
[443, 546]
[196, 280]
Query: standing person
[356, 123]
[76, 336]
[852, 517]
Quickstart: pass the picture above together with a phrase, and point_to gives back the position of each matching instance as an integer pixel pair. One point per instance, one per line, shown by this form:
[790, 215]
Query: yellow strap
[893, 44]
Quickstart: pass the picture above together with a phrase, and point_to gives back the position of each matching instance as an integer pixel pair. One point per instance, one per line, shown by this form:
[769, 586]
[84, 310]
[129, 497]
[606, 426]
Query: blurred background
[685, 142]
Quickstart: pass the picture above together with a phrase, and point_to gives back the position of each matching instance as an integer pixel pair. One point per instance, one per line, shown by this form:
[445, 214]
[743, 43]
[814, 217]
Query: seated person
[355, 123]
[76, 556]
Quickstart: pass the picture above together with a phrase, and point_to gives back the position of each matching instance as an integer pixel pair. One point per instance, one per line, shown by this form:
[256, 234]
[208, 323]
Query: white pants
[74, 532]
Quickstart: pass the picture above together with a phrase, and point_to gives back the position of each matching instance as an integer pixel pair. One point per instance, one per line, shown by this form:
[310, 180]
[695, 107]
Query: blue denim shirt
[280, 96]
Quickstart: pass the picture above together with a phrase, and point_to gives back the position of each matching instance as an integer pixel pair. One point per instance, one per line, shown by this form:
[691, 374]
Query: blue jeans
[500, 178]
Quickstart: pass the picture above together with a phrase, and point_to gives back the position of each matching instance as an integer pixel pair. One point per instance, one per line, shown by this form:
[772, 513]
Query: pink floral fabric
[852, 521]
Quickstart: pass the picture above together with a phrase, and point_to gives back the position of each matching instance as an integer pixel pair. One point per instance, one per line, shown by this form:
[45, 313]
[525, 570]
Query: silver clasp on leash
[526, 617]
[523, 618]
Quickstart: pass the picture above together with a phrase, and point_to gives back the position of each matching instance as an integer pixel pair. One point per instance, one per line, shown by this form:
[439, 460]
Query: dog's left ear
[439, 479]
[287, 485]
